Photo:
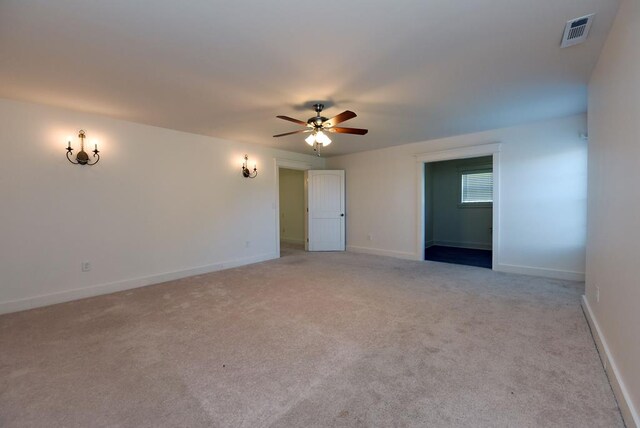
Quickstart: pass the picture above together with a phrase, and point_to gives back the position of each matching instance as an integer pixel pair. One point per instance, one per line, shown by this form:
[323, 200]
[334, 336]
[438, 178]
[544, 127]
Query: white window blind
[477, 186]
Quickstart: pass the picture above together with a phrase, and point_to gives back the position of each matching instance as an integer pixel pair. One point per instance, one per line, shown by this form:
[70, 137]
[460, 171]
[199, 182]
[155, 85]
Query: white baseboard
[629, 412]
[536, 271]
[112, 287]
[381, 252]
[470, 245]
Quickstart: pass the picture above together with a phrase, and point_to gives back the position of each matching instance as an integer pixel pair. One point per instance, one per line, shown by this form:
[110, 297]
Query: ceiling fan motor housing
[316, 121]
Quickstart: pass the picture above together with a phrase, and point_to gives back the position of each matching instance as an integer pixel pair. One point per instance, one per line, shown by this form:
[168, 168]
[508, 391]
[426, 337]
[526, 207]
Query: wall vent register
[576, 31]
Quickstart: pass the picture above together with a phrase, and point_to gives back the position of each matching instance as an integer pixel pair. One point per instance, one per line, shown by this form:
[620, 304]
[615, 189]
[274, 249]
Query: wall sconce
[82, 158]
[246, 173]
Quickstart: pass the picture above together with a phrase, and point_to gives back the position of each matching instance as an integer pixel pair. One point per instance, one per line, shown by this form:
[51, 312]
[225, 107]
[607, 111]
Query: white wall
[453, 225]
[543, 194]
[613, 250]
[160, 204]
[292, 205]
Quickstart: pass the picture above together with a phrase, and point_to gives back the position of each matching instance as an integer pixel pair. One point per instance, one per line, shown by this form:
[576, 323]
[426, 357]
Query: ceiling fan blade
[357, 131]
[294, 132]
[345, 115]
[290, 119]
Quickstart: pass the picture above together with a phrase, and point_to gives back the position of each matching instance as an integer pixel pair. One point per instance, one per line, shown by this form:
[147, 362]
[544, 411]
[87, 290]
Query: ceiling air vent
[576, 31]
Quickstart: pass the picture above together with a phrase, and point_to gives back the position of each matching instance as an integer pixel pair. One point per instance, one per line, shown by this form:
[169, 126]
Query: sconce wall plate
[82, 158]
[246, 172]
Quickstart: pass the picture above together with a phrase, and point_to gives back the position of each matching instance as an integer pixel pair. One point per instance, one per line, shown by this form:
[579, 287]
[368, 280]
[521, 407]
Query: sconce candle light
[246, 173]
[82, 158]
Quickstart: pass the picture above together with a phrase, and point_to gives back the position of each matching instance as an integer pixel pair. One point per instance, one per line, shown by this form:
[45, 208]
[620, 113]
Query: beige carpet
[311, 340]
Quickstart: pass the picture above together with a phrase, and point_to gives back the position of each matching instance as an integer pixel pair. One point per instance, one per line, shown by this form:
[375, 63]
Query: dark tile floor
[460, 256]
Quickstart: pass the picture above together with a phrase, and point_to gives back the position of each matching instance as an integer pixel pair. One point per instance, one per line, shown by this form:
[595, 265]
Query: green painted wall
[448, 223]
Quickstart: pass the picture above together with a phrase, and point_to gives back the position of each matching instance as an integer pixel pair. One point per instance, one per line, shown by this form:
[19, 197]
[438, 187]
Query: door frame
[492, 149]
[287, 164]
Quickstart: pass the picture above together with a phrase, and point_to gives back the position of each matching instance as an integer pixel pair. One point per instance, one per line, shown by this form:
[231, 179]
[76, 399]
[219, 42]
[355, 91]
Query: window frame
[470, 170]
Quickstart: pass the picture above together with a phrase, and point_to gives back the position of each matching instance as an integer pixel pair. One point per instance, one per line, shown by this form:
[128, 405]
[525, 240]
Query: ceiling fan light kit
[310, 140]
[318, 137]
[318, 126]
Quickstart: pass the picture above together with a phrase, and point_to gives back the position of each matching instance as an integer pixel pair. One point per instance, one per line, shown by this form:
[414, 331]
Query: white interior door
[325, 205]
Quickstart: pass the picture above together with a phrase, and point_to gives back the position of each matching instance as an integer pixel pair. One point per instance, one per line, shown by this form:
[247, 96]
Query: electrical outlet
[597, 294]
[247, 244]
[369, 237]
[86, 266]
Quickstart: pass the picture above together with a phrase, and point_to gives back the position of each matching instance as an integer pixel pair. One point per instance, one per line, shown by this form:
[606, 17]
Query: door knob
[342, 215]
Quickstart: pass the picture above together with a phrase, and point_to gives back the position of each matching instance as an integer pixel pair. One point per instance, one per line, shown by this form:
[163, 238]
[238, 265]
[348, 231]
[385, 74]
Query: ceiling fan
[319, 125]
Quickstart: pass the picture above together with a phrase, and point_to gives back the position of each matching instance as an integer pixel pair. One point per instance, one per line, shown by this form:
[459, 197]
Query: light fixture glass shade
[310, 140]
[322, 138]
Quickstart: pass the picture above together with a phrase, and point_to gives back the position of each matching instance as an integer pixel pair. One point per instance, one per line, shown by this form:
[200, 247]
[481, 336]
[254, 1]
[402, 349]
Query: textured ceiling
[412, 70]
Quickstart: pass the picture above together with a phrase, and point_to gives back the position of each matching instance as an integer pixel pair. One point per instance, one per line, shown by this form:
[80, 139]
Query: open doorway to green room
[459, 211]
[473, 189]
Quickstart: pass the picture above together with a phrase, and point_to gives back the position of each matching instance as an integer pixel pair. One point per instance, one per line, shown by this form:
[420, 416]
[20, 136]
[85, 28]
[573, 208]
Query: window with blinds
[477, 187]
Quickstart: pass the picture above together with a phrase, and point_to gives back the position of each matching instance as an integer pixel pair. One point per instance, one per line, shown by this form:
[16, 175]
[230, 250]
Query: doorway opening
[294, 165]
[458, 211]
[291, 211]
